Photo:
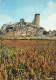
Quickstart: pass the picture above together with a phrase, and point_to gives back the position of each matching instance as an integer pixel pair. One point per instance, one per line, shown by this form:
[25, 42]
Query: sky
[13, 10]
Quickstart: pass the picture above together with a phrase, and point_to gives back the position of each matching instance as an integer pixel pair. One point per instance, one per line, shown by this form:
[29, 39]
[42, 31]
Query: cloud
[29, 9]
[50, 12]
[52, 5]
[5, 19]
[51, 8]
[50, 22]
[45, 12]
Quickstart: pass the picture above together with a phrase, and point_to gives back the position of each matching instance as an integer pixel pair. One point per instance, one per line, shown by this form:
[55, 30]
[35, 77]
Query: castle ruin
[35, 23]
[26, 30]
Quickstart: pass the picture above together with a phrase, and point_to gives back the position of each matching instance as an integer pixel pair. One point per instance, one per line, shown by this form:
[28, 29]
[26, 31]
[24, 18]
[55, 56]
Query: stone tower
[37, 20]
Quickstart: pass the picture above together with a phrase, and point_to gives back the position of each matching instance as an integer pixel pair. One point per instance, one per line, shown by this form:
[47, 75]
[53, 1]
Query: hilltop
[26, 30]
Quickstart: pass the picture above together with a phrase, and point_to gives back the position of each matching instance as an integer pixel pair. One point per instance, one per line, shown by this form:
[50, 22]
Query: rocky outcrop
[25, 30]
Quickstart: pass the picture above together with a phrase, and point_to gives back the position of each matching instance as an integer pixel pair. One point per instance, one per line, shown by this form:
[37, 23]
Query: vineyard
[27, 59]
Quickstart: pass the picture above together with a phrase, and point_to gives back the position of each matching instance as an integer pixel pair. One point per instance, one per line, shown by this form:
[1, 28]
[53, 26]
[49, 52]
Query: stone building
[37, 20]
[23, 23]
[27, 30]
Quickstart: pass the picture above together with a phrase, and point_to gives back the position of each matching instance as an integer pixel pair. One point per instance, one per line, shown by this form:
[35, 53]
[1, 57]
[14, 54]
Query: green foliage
[34, 62]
